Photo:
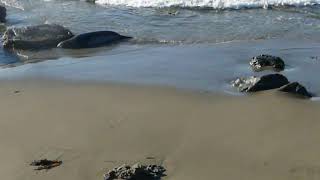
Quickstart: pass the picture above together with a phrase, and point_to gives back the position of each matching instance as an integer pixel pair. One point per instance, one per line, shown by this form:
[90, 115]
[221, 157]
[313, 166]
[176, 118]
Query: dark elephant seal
[92, 40]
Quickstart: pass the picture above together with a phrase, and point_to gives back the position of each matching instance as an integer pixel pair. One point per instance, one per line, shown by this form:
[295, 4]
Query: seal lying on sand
[92, 40]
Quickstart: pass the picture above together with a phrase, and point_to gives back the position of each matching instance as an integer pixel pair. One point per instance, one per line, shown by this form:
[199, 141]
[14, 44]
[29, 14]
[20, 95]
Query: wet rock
[136, 172]
[3, 14]
[264, 62]
[35, 37]
[45, 164]
[296, 88]
[314, 57]
[173, 12]
[253, 83]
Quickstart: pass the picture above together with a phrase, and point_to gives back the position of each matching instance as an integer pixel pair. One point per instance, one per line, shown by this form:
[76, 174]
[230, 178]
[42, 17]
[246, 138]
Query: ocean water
[185, 43]
[215, 4]
[177, 21]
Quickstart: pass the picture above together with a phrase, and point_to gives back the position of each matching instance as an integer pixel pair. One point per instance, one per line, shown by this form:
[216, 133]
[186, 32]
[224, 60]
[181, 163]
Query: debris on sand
[45, 164]
[136, 172]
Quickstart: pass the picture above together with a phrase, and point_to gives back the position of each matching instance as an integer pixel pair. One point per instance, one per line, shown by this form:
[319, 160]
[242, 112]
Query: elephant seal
[92, 40]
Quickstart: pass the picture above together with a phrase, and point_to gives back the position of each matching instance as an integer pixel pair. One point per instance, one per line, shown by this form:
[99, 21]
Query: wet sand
[94, 127]
[209, 67]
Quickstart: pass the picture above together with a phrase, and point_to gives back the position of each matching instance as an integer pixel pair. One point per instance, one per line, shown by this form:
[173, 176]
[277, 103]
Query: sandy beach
[94, 127]
[175, 95]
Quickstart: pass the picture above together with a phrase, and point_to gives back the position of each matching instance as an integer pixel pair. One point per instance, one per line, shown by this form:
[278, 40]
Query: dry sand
[196, 136]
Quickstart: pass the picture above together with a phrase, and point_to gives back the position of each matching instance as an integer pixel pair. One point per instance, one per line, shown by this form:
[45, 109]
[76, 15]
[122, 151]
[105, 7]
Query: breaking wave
[215, 4]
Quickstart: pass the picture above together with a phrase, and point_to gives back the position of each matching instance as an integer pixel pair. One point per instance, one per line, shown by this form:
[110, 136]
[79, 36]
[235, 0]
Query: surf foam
[216, 4]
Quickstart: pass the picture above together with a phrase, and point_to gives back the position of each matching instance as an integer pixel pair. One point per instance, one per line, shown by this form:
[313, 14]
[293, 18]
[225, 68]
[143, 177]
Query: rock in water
[3, 14]
[263, 62]
[253, 83]
[296, 88]
[92, 40]
[35, 37]
[136, 172]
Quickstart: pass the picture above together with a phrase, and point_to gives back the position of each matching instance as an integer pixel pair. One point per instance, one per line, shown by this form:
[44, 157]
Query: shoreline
[196, 67]
[93, 128]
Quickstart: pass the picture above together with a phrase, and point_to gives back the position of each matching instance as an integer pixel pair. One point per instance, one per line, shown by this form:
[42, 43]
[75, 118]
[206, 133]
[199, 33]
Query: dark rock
[314, 57]
[253, 83]
[136, 172]
[263, 62]
[3, 14]
[35, 37]
[296, 88]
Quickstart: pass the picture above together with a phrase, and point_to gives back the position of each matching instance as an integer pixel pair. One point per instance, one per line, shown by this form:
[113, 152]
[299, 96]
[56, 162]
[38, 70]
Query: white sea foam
[13, 3]
[216, 4]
